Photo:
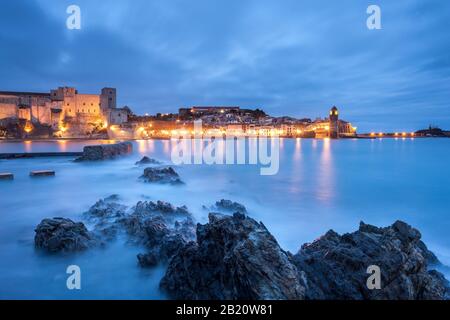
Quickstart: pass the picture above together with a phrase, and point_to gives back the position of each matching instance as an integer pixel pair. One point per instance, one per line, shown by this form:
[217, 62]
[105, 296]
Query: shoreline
[246, 137]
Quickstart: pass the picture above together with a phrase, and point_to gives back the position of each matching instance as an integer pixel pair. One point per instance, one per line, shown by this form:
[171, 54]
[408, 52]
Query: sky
[288, 57]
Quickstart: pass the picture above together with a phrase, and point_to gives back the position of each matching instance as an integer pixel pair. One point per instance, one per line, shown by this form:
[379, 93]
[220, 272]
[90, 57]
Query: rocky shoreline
[234, 257]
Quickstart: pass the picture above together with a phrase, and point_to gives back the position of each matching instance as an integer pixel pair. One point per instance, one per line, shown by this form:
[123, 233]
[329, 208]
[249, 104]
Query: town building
[211, 110]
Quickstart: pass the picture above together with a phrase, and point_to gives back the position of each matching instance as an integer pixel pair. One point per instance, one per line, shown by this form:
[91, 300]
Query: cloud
[288, 57]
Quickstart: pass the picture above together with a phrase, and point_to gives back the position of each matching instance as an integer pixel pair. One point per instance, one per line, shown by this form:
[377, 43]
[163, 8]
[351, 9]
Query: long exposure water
[321, 185]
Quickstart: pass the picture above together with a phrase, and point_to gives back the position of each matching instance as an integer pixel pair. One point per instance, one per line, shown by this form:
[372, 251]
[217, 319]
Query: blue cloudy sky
[289, 57]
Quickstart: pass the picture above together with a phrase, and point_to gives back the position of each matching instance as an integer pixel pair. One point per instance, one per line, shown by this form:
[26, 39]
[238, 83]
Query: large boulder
[105, 151]
[166, 175]
[336, 265]
[63, 235]
[234, 257]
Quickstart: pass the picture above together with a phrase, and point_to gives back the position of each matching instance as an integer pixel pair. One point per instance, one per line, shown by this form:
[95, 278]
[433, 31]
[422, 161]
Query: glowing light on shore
[28, 127]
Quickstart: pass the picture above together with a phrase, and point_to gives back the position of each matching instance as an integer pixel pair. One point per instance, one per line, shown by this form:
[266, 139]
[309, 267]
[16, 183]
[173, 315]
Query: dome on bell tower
[334, 111]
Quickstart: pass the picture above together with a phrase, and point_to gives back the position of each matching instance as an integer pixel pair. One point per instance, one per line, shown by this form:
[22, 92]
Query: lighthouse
[334, 123]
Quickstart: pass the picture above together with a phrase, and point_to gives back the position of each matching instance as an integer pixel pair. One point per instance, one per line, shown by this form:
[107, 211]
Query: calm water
[321, 185]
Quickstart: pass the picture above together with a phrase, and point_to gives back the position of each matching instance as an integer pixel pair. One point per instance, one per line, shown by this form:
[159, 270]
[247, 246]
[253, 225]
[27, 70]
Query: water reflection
[146, 146]
[326, 187]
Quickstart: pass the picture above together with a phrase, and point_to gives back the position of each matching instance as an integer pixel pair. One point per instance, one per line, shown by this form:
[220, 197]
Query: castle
[64, 109]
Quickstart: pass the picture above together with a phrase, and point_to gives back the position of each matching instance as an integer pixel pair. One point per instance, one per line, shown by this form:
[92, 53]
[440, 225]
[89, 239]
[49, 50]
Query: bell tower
[334, 123]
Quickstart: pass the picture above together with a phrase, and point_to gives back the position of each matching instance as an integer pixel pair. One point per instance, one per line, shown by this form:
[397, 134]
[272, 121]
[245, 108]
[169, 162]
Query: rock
[107, 208]
[234, 258]
[105, 151]
[63, 235]
[150, 259]
[161, 227]
[162, 207]
[165, 175]
[336, 266]
[147, 160]
[104, 214]
[229, 206]
[148, 216]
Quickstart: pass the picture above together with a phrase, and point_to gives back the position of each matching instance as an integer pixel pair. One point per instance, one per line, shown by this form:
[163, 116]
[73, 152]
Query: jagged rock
[107, 208]
[150, 259]
[336, 266]
[105, 151]
[104, 214]
[147, 160]
[234, 258]
[168, 246]
[148, 217]
[63, 235]
[162, 207]
[229, 206]
[161, 175]
[161, 227]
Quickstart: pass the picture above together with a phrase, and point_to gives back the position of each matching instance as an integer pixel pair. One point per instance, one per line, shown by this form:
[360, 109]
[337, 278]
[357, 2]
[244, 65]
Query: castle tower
[108, 102]
[334, 123]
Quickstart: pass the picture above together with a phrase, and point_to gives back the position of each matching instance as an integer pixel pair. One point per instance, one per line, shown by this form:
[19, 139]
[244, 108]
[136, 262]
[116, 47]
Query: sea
[320, 185]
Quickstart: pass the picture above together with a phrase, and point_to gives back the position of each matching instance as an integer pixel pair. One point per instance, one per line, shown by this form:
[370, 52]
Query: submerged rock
[336, 266]
[105, 151]
[63, 235]
[234, 258]
[165, 175]
[147, 160]
[230, 206]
